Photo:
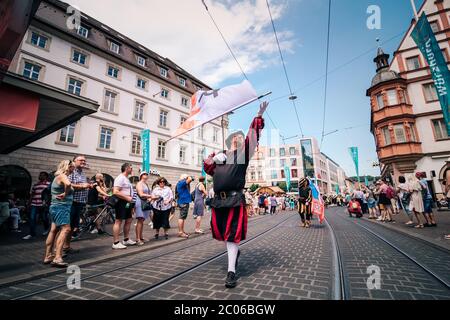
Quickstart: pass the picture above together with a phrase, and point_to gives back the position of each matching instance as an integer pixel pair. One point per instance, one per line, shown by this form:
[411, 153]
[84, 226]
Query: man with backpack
[184, 198]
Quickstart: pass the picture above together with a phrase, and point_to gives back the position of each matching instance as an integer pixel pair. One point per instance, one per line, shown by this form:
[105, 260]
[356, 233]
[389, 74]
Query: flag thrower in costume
[207, 106]
[318, 206]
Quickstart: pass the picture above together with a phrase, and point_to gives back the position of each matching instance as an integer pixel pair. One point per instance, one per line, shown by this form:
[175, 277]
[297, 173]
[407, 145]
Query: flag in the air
[318, 206]
[209, 105]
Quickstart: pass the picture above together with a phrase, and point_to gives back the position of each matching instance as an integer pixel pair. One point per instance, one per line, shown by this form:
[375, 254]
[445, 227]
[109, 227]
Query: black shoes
[231, 280]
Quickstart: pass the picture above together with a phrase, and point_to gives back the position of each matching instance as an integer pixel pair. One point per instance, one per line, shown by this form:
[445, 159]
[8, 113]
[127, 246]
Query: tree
[283, 186]
[254, 187]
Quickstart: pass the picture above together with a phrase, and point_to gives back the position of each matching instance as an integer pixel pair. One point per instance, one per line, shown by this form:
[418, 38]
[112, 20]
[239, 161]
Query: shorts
[60, 214]
[75, 213]
[371, 204]
[122, 212]
[428, 207]
[261, 205]
[184, 210]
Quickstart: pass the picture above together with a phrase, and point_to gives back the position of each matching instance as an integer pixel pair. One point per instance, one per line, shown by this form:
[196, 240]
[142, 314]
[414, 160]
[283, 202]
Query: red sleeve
[209, 165]
[253, 135]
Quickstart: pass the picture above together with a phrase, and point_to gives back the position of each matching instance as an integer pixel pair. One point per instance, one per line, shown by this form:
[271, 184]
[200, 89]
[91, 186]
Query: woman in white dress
[416, 203]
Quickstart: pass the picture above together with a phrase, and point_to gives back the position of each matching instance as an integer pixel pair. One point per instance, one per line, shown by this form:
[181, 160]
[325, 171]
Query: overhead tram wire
[284, 68]
[326, 75]
[339, 67]
[234, 57]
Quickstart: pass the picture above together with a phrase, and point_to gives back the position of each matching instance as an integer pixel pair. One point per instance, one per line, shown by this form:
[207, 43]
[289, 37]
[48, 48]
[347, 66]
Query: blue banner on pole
[287, 173]
[425, 39]
[145, 140]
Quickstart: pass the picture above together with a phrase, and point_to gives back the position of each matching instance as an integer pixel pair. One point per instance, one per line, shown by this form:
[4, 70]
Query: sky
[182, 31]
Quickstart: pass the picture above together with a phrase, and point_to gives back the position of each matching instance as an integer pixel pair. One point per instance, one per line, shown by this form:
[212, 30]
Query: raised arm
[254, 133]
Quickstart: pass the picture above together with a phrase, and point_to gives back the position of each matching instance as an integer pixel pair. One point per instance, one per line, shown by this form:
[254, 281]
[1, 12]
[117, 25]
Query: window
[260, 176]
[215, 135]
[412, 131]
[79, 57]
[380, 101]
[399, 132]
[161, 149]
[392, 97]
[83, 31]
[182, 154]
[435, 26]
[165, 93]
[294, 173]
[252, 175]
[184, 101]
[182, 120]
[200, 153]
[282, 162]
[292, 151]
[293, 162]
[163, 118]
[139, 111]
[273, 163]
[114, 47]
[282, 152]
[200, 132]
[113, 72]
[430, 92]
[136, 144]
[141, 83]
[413, 63]
[105, 138]
[163, 72]
[75, 86]
[67, 134]
[110, 101]
[141, 61]
[440, 130]
[182, 81]
[387, 136]
[38, 40]
[31, 71]
[274, 174]
[272, 152]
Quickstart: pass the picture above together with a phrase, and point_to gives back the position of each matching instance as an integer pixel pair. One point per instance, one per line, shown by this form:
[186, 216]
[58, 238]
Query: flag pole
[232, 110]
[415, 10]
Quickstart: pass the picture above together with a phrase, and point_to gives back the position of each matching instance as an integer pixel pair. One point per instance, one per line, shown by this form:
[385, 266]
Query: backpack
[390, 194]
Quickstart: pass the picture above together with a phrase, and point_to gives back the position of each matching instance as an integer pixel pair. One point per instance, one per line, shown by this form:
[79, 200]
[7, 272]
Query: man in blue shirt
[427, 201]
[183, 201]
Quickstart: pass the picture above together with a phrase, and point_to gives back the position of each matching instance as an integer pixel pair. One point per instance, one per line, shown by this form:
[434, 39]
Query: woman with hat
[304, 202]
[143, 208]
[162, 205]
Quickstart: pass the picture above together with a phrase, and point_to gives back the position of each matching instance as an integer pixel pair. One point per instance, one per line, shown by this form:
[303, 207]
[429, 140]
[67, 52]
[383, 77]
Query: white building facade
[136, 89]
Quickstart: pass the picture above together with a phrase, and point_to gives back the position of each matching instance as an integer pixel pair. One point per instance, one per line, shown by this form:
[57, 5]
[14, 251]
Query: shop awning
[30, 110]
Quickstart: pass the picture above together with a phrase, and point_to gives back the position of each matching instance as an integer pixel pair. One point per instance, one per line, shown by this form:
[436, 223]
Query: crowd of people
[382, 201]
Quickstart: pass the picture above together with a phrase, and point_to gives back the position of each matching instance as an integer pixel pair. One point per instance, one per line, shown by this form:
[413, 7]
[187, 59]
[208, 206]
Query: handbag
[146, 205]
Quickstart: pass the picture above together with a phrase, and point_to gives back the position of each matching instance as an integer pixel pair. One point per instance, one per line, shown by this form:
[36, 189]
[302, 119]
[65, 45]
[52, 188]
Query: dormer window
[141, 61]
[163, 72]
[114, 47]
[83, 31]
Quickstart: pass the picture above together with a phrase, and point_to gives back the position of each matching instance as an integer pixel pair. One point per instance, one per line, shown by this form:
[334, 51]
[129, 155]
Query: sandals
[59, 264]
[183, 235]
[419, 226]
[199, 231]
[49, 260]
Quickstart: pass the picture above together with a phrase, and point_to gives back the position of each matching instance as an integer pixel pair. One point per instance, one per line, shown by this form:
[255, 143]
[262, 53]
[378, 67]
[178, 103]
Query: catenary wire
[326, 75]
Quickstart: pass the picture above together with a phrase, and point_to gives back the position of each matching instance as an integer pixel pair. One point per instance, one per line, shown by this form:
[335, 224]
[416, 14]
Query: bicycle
[105, 219]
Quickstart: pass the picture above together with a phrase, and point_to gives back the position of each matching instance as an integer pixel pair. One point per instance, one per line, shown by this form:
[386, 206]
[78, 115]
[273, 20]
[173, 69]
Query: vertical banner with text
[426, 41]
[355, 157]
[287, 172]
[145, 140]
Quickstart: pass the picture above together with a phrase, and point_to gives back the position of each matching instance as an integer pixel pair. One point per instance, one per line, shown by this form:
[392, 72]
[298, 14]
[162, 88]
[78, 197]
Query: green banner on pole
[355, 157]
[287, 173]
[145, 141]
[426, 41]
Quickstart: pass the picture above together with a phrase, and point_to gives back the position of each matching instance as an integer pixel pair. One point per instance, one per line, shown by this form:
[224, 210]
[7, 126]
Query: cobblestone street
[279, 261]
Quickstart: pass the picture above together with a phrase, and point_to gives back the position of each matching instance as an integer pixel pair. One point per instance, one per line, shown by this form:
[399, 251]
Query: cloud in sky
[183, 32]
